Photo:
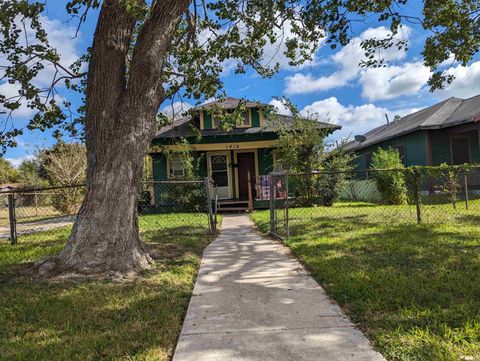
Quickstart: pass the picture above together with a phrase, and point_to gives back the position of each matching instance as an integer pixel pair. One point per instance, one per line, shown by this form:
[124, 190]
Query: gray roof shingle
[182, 127]
[450, 112]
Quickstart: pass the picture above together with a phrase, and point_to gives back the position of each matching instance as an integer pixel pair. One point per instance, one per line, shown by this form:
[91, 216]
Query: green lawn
[101, 320]
[413, 289]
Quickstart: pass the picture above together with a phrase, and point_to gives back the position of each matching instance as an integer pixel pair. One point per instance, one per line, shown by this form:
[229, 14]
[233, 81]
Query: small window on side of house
[177, 169]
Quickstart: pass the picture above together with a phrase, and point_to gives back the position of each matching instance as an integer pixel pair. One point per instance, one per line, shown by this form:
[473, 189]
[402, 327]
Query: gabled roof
[448, 113]
[229, 103]
[182, 127]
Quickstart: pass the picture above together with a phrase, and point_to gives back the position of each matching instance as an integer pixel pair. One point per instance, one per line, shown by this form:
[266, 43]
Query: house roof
[229, 103]
[182, 127]
[7, 187]
[448, 113]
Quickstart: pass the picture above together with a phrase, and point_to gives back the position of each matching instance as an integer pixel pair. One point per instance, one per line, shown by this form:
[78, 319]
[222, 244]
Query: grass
[27, 213]
[413, 289]
[101, 320]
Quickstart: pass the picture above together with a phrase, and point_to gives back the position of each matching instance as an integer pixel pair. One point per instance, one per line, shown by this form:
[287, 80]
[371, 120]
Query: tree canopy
[210, 35]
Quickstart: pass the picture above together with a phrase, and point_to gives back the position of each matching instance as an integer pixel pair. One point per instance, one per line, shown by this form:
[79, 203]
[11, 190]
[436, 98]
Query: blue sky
[333, 87]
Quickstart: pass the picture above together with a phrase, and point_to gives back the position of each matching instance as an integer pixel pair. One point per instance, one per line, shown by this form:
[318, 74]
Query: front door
[246, 165]
[220, 175]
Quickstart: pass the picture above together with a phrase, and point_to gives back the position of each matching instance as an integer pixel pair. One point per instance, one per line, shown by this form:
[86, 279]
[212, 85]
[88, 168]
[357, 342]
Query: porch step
[233, 205]
[232, 202]
[232, 209]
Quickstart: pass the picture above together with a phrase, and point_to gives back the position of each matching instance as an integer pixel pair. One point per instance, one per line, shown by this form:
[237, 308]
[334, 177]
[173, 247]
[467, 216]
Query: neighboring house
[227, 158]
[8, 187]
[447, 132]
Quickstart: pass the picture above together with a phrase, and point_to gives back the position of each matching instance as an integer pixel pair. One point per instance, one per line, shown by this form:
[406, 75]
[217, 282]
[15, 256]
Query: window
[245, 123]
[177, 169]
[219, 170]
[460, 150]
[401, 151]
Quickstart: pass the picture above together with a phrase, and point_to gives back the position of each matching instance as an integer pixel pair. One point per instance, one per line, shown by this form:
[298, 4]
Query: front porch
[238, 177]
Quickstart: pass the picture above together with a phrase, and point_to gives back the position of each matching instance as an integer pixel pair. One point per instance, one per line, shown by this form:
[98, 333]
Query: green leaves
[26, 53]
[216, 36]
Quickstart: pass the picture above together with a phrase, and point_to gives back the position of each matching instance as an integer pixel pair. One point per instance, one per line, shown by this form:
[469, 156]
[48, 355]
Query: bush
[332, 182]
[185, 197]
[68, 200]
[390, 184]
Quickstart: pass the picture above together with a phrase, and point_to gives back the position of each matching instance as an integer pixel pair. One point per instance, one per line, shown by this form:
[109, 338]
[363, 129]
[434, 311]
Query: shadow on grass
[96, 320]
[92, 320]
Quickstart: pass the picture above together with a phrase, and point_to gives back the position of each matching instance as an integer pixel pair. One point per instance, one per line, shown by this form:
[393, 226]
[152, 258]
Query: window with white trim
[177, 170]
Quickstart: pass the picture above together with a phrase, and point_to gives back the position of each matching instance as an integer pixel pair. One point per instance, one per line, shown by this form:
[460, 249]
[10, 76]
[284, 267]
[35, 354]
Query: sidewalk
[253, 302]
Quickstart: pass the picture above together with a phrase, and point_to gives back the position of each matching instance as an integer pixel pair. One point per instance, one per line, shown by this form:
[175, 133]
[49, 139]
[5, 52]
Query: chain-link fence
[183, 207]
[413, 195]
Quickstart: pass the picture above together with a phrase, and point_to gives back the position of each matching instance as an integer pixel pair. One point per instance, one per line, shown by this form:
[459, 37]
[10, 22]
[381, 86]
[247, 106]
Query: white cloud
[273, 53]
[393, 81]
[175, 110]
[16, 162]
[280, 107]
[466, 83]
[353, 119]
[347, 61]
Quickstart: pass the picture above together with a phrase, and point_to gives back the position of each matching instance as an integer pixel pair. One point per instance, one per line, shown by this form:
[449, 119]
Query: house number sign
[233, 146]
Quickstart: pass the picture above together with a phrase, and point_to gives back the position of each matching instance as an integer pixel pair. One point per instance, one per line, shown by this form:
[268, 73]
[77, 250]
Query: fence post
[12, 218]
[287, 223]
[250, 201]
[272, 205]
[466, 190]
[417, 195]
[211, 221]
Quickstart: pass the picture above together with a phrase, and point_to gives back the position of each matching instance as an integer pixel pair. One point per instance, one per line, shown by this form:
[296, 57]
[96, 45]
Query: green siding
[255, 117]
[207, 121]
[440, 148]
[475, 146]
[415, 149]
[159, 162]
[265, 161]
[201, 163]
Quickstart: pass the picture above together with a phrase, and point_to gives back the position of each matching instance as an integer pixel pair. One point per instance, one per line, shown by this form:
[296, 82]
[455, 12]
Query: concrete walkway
[253, 302]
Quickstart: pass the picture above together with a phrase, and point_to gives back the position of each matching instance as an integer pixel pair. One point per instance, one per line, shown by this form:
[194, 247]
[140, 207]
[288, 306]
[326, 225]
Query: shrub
[450, 184]
[68, 200]
[332, 182]
[390, 184]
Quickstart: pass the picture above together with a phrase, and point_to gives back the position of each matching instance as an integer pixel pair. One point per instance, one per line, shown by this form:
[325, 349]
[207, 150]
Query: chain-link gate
[279, 205]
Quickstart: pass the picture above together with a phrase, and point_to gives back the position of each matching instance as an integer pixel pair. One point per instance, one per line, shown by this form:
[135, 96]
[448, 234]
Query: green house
[447, 132]
[233, 159]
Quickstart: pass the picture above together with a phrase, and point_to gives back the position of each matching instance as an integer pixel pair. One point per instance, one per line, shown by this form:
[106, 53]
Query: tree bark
[120, 124]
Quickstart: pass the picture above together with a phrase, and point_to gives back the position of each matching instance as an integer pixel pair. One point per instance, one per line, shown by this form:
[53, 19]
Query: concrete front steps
[233, 205]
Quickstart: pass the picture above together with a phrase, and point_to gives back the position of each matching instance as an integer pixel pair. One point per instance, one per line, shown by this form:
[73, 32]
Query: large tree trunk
[120, 124]
[106, 235]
